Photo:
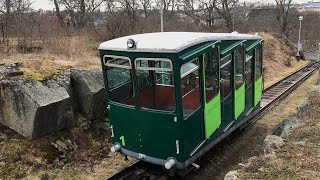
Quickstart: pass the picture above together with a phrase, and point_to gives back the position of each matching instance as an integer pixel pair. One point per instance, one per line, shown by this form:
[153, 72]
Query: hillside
[279, 60]
[298, 157]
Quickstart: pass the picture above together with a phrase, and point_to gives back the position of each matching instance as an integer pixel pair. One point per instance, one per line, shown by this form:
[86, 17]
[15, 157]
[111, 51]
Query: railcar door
[239, 97]
[249, 81]
[211, 91]
[258, 84]
[226, 80]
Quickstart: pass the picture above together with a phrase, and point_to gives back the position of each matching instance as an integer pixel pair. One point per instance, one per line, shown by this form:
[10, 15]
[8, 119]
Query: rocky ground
[296, 153]
[78, 153]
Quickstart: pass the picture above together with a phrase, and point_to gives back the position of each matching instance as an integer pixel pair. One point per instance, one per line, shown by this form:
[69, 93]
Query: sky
[43, 4]
[48, 5]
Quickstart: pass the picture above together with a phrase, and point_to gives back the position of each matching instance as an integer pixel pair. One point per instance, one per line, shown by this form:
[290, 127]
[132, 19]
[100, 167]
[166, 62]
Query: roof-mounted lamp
[131, 44]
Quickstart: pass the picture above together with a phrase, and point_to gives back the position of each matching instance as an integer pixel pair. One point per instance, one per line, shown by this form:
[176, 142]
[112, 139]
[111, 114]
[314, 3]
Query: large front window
[155, 84]
[119, 77]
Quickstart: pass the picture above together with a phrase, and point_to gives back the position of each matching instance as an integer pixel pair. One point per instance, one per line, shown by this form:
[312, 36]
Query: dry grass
[69, 52]
[82, 52]
[289, 105]
[294, 160]
[105, 168]
[21, 158]
[277, 58]
[42, 65]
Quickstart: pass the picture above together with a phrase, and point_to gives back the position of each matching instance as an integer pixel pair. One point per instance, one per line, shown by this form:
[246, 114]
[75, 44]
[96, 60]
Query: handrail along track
[271, 96]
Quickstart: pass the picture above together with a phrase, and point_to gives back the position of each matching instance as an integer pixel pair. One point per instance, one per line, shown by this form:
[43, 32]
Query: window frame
[199, 79]
[258, 50]
[190, 71]
[171, 69]
[106, 64]
[231, 75]
[155, 69]
[223, 65]
[243, 66]
[250, 58]
[153, 59]
[115, 65]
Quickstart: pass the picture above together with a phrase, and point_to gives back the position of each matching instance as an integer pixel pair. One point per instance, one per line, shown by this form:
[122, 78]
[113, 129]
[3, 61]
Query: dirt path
[249, 142]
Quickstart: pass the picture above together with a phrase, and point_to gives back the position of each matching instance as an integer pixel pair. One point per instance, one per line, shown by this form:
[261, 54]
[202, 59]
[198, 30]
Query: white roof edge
[171, 42]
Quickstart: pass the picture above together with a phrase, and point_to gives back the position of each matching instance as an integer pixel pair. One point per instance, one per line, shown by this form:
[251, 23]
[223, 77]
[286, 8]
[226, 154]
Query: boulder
[33, 108]
[89, 90]
[286, 127]
[272, 143]
[10, 70]
[232, 175]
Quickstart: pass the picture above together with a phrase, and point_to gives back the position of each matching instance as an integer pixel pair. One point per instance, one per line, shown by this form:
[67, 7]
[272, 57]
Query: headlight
[131, 44]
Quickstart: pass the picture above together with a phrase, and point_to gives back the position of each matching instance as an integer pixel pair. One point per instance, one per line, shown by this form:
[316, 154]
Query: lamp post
[299, 43]
[161, 14]
[233, 6]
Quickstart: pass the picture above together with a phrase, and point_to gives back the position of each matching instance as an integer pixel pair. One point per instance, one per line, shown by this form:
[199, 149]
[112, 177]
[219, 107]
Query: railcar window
[211, 74]
[226, 69]
[119, 80]
[190, 87]
[239, 68]
[155, 84]
[249, 59]
[258, 63]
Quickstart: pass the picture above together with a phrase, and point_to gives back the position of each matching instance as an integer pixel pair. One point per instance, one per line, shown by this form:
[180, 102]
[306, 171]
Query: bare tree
[78, 10]
[283, 9]
[13, 14]
[224, 9]
[58, 13]
[146, 4]
[210, 10]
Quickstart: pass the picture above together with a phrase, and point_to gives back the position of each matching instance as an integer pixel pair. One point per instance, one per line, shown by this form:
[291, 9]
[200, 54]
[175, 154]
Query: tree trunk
[58, 14]
[7, 18]
[82, 14]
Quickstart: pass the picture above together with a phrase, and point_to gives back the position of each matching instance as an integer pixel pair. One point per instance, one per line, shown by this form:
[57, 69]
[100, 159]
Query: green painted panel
[239, 102]
[213, 115]
[254, 45]
[231, 48]
[195, 52]
[257, 91]
[192, 133]
[150, 133]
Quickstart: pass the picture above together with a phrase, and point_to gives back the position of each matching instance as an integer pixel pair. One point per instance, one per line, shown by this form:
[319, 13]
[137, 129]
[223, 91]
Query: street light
[233, 6]
[161, 14]
[299, 44]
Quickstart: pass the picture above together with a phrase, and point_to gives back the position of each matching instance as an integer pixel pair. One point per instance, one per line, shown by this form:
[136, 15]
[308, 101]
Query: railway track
[271, 96]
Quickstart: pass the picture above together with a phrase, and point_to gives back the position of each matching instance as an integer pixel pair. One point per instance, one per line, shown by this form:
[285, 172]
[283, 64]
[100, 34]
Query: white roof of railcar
[170, 41]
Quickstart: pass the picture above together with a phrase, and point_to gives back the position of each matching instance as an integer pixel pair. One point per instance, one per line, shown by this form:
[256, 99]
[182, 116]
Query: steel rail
[140, 170]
